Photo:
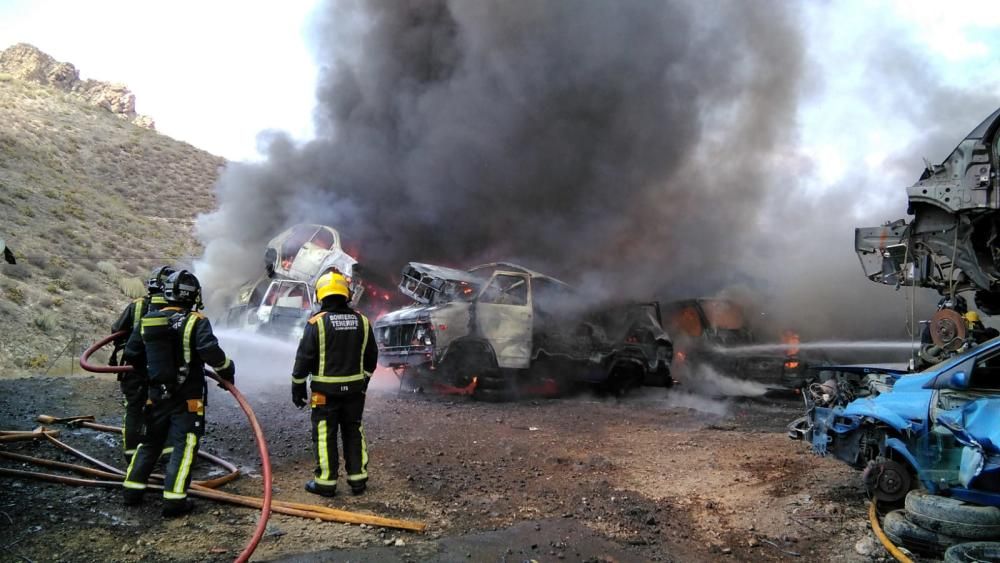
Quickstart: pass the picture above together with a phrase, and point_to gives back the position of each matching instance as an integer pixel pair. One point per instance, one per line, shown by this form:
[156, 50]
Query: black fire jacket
[171, 347]
[338, 350]
[129, 318]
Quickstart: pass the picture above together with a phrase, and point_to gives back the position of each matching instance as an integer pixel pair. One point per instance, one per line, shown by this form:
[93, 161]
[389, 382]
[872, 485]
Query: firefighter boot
[172, 508]
[358, 489]
[321, 490]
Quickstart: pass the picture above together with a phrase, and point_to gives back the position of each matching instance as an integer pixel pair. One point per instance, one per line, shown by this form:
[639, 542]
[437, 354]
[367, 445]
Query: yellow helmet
[972, 317]
[332, 283]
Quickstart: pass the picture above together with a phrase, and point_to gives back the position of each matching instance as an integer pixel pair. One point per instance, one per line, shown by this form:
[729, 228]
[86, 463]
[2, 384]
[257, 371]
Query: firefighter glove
[227, 372]
[299, 395]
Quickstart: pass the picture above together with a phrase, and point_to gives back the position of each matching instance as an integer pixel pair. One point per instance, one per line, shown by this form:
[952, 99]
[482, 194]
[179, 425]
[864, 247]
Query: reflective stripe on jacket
[338, 351]
[191, 343]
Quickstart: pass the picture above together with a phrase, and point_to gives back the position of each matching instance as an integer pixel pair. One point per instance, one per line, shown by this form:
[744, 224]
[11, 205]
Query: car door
[504, 317]
[970, 415]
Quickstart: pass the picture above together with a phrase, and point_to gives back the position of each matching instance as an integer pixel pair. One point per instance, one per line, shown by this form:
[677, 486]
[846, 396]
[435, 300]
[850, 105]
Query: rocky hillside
[25, 62]
[89, 202]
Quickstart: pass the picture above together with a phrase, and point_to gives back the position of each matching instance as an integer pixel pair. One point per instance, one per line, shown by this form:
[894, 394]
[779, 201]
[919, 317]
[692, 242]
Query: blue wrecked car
[939, 428]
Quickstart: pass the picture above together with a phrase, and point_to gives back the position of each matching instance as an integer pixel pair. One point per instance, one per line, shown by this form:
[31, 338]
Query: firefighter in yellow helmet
[338, 352]
[977, 330]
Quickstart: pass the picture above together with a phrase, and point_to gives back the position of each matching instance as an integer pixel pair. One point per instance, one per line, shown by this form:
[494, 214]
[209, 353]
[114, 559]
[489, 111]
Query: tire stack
[942, 526]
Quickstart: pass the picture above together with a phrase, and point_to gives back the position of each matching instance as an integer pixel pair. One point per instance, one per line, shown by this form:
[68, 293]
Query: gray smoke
[615, 144]
[634, 148]
[814, 283]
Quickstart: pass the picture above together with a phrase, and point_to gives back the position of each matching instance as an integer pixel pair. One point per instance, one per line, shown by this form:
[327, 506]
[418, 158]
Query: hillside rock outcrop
[26, 62]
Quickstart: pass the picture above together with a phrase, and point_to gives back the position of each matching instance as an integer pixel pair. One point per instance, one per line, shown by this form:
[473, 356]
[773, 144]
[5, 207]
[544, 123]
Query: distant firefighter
[338, 351]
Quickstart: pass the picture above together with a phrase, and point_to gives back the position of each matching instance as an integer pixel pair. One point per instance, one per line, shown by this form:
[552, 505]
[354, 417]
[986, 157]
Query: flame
[791, 340]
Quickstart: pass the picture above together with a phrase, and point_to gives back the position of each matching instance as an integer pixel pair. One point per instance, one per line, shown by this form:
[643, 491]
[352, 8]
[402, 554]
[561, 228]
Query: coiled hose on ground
[258, 434]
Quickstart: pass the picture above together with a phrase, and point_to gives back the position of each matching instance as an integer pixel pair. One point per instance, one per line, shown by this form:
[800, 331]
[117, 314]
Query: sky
[215, 74]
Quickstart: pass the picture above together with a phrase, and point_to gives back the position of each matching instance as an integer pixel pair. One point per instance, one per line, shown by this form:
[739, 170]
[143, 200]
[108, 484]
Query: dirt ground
[643, 478]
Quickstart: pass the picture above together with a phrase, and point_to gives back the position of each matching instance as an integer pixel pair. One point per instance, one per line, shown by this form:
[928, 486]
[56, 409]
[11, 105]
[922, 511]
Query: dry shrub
[16, 271]
[7, 308]
[108, 269]
[46, 322]
[84, 280]
[40, 261]
[55, 269]
[132, 287]
[37, 363]
[15, 295]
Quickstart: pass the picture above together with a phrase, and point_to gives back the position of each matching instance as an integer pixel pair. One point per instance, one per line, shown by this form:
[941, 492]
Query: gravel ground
[661, 475]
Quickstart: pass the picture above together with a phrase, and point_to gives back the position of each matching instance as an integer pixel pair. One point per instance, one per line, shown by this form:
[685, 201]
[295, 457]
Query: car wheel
[886, 480]
[490, 382]
[973, 551]
[913, 537]
[952, 516]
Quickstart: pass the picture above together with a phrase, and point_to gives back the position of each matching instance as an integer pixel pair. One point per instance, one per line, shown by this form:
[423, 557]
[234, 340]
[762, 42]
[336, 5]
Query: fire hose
[886, 542]
[258, 434]
[202, 490]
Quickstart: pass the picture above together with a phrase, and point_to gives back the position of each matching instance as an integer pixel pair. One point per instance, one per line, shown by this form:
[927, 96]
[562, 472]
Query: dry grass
[87, 201]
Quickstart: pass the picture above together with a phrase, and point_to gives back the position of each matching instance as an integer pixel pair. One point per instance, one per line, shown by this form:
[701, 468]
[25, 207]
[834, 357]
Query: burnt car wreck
[500, 330]
[716, 333]
[280, 301]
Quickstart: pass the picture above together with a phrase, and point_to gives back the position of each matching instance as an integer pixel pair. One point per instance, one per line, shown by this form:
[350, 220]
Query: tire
[973, 551]
[953, 517]
[911, 536]
[488, 382]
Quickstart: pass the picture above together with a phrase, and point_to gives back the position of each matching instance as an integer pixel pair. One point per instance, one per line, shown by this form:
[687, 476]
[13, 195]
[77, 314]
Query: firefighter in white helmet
[338, 353]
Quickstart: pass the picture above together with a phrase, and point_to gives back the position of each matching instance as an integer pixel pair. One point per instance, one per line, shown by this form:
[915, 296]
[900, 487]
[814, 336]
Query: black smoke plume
[625, 146]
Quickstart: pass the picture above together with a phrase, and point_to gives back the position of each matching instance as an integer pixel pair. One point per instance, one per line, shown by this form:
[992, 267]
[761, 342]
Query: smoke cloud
[636, 149]
[614, 144]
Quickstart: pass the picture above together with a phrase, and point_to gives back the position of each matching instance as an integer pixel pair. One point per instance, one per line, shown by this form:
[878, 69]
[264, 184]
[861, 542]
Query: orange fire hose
[886, 542]
[310, 511]
[258, 434]
[86, 422]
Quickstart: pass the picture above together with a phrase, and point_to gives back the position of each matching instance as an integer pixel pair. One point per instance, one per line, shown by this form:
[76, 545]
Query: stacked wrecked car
[280, 301]
[931, 438]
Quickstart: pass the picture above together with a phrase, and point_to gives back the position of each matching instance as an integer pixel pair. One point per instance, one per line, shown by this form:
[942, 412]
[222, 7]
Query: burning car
[499, 329]
[939, 428]
[279, 302]
[715, 332]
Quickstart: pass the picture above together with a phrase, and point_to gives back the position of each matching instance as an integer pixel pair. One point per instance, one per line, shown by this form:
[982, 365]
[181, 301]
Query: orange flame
[791, 340]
